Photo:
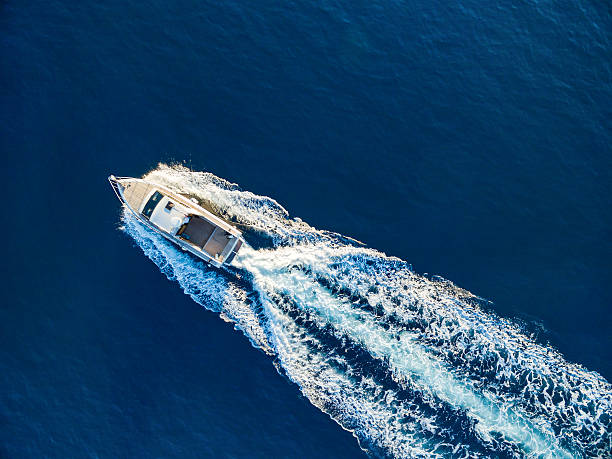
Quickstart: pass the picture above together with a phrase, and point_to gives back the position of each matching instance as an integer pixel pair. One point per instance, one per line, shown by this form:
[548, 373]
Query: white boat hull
[145, 200]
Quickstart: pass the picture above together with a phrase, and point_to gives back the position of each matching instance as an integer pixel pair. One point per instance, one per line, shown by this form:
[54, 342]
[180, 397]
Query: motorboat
[179, 219]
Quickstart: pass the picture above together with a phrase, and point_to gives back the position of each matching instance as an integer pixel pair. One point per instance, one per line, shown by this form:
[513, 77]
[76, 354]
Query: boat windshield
[151, 204]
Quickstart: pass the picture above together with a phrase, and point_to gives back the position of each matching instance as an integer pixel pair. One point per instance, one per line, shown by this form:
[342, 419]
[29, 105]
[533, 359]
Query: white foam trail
[429, 333]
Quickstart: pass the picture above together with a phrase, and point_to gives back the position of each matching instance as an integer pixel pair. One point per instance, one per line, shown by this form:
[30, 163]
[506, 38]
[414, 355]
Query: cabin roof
[168, 215]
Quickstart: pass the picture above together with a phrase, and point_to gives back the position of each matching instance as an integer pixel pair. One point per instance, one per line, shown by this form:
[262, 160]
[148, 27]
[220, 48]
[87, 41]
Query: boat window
[151, 204]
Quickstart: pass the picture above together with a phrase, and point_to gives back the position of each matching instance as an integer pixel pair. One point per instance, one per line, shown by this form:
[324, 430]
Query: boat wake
[413, 366]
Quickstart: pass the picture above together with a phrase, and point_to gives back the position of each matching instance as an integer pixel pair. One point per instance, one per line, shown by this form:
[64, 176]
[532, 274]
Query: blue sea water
[471, 140]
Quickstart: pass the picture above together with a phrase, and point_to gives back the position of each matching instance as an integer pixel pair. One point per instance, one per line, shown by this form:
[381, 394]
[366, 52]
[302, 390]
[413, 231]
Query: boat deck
[135, 192]
[197, 231]
[217, 243]
[206, 236]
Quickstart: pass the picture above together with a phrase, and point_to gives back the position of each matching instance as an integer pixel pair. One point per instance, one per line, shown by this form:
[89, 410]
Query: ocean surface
[425, 189]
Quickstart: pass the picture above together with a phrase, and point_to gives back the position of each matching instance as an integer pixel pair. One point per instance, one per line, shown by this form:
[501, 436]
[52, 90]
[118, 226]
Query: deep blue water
[471, 140]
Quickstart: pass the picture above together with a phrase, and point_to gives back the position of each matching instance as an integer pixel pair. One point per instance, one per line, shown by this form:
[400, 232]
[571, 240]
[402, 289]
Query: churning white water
[411, 365]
